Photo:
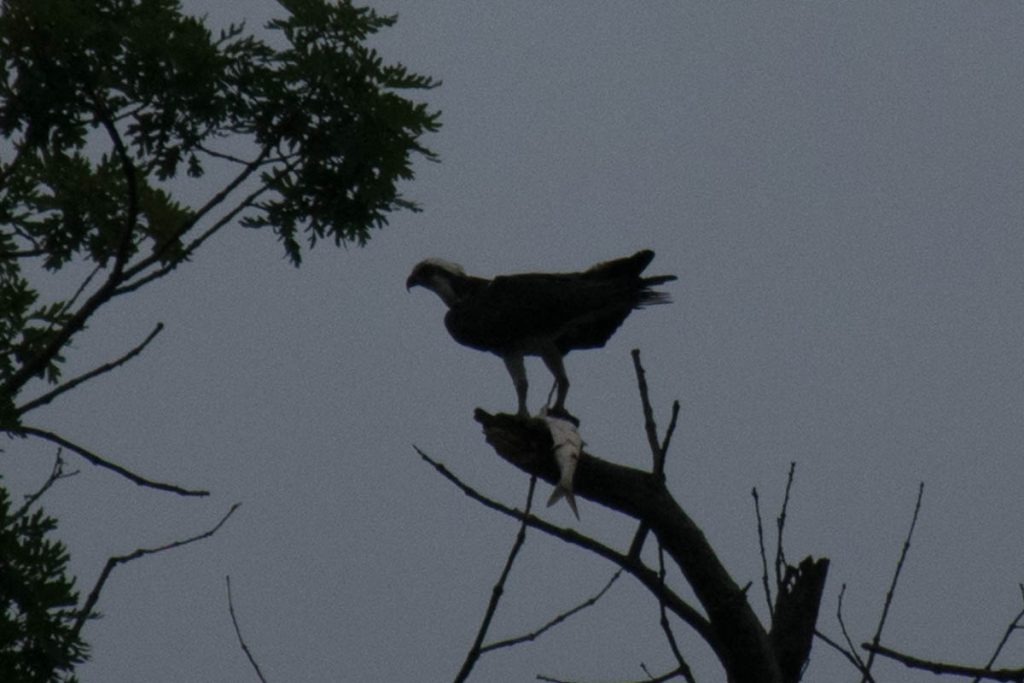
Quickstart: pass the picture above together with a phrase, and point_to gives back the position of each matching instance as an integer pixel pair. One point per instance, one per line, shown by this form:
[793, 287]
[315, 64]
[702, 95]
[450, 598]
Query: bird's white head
[436, 275]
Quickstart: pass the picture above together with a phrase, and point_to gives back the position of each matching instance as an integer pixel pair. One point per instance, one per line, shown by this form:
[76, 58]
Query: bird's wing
[532, 306]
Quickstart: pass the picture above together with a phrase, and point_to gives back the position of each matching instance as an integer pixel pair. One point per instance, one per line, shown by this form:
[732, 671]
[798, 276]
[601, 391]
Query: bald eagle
[540, 314]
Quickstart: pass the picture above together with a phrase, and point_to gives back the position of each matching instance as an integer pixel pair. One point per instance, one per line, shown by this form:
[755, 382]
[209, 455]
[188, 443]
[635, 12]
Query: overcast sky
[838, 187]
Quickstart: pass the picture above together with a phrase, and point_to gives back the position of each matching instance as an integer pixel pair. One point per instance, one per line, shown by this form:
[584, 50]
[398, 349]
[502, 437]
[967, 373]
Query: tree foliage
[107, 107]
[39, 637]
[115, 115]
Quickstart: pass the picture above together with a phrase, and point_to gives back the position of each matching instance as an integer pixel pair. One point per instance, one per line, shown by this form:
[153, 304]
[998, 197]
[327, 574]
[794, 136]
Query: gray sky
[838, 187]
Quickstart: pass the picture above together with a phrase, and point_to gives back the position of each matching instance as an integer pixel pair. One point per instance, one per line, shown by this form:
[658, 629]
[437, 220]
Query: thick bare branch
[796, 613]
[735, 634]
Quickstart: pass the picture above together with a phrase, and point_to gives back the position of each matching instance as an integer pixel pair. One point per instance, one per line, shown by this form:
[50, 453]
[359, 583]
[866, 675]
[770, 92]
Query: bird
[540, 314]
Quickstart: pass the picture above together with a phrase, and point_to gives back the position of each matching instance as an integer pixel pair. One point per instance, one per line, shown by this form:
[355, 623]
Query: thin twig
[200, 213]
[764, 553]
[499, 589]
[105, 368]
[1014, 625]
[649, 427]
[56, 473]
[1007, 675]
[666, 627]
[630, 565]
[81, 288]
[780, 523]
[892, 587]
[191, 247]
[94, 594]
[650, 678]
[238, 632]
[106, 464]
[658, 451]
[846, 635]
[533, 635]
[105, 118]
[852, 658]
[670, 431]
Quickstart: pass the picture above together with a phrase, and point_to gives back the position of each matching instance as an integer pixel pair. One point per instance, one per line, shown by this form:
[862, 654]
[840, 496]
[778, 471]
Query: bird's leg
[516, 368]
[553, 360]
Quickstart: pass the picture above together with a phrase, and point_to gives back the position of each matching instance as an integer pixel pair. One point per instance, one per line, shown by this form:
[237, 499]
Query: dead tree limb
[737, 637]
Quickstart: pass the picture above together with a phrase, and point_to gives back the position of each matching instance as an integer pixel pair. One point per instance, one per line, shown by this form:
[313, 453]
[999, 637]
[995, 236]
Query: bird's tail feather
[658, 280]
[650, 297]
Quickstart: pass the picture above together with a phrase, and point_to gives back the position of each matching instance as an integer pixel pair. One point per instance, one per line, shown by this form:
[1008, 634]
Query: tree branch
[200, 213]
[854, 656]
[33, 366]
[941, 668]
[670, 431]
[630, 565]
[1014, 625]
[558, 619]
[106, 464]
[795, 614]
[192, 246]
[238, 632]
[764, 553]
[780, 524]
[56, 473]
[892, 587]
[105, 368]
[658, 451]
[499, 589]
[735, 634]
[853, 659]
[657, 455]
[666, 627]
[113, 562]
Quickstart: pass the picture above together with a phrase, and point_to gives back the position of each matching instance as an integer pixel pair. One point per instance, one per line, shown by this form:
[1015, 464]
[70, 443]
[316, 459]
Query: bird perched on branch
[540, 314]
